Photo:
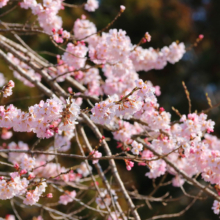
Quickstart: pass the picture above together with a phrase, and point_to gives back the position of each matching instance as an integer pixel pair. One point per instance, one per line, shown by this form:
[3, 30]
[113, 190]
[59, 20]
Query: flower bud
[23, 172]
[122, 8]
[50, 195]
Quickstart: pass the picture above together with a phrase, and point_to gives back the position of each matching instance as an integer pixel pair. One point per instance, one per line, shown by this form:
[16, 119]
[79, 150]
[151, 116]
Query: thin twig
[113, 166]
[7, 12]
[14, 209]
[176, 214]
[187, 96]
[38, 84]
[93, 178]
[209, 109]
[99, 170]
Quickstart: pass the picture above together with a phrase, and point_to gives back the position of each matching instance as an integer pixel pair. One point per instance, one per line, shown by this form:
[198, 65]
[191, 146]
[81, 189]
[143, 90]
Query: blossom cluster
[127, 105]
[13, 187]
[40, 117]
[18, 184]
[7, 89]
[33, 196]
[47, 14]
[75, 55]
[120, 59]
[105, 111]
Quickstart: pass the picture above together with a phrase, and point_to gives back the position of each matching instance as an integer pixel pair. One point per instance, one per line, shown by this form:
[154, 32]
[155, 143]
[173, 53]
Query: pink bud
[161, 109]
[16, 166]
[70, 90]
[56, 129]
[48, 132]
[131, 164]
[119, 145]
[50, 195]
[201, 36]
[60, 62]
[71, 68]
[23, 172]
[143, 40]
[209, 130]
[31, 176]
[60, 31]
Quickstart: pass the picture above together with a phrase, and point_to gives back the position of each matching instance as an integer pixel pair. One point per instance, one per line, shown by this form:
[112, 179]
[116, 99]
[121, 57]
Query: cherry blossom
[96, 154]
[27, 163]
[40, 117]
[83, 170]
[122, 8]
[102, 72]
[84, 28]
[7, 89]
[3, 3]
[33, 196]
[16, 186]
[67, 197]
[216, 207]
[10, 217]
[91, 5]
[75, 55]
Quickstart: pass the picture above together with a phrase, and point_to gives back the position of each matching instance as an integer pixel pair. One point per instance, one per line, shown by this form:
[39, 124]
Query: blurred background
[166, 21]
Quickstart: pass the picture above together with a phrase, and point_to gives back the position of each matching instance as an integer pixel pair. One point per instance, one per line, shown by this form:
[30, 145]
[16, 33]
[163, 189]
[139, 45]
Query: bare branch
[113, 166]
[176, 214]
[38, 84]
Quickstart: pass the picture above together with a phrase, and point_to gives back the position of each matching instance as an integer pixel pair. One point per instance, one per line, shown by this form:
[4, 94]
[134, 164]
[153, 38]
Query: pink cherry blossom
[3, 3]
[216, 207]
[84, 170]
[96, 154]
[7, 89]
[122, 8]
[91, 5]
[67, 197]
